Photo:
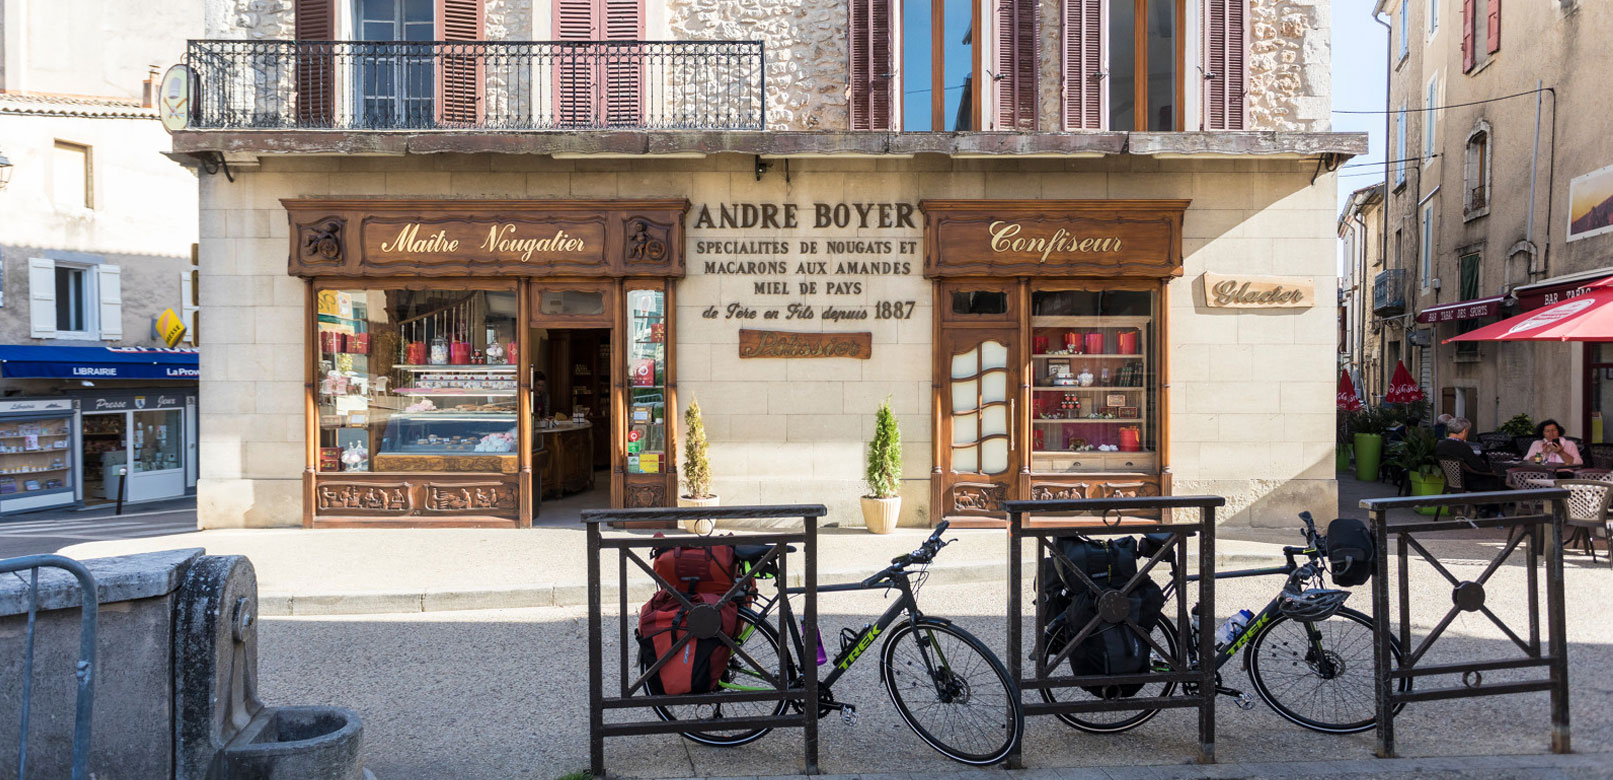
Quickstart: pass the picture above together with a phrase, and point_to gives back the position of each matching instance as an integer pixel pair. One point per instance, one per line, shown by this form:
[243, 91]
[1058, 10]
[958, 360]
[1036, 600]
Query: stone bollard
[221, 730]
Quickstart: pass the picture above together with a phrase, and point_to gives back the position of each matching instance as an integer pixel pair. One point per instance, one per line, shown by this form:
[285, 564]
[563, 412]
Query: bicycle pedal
[1245, 702]
[848, 714]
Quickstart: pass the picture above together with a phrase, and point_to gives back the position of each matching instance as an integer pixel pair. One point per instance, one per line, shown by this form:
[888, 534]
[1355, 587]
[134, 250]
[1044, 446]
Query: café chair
[1455, 481]
[1599, 455]
[1587, 504]
[1523, 443]
[1527, 478]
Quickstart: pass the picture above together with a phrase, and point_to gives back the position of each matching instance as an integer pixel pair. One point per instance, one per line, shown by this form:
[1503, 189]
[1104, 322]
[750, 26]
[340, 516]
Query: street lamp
[5, 171]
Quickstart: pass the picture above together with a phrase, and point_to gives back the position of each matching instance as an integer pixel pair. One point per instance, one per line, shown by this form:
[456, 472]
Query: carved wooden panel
[1054, 491]
[646, 494]
[319, 242]
[390, 496]
[647, 241]
[471, 497]
[1052, 237]
[978, 498]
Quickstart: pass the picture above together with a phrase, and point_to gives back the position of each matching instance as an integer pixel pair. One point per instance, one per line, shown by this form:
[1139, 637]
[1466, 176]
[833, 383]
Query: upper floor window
[72, 176]
[938, 61]
[74, 300]
[1481, 31]
[1433, 17]
[1476, 173]
[1431, 121]
[1400, 146]
[395, 85]
[1405, 28]
[1143, 71]
[1427, 253]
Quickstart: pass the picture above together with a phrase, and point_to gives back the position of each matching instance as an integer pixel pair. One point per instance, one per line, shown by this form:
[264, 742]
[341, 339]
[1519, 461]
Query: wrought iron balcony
[480, 85]
[1389, 292]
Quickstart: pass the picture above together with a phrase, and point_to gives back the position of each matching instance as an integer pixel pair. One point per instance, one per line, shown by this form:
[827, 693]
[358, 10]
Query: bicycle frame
[1264, 616]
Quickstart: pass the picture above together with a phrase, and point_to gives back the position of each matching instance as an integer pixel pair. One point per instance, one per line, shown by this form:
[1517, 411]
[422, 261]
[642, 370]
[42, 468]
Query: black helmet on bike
[1311, 605]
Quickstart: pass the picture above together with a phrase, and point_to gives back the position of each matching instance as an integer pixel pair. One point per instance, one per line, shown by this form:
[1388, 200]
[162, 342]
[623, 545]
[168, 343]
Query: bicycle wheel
[1111, 722]
[952, 691]
[760, 641]
[1319, 675]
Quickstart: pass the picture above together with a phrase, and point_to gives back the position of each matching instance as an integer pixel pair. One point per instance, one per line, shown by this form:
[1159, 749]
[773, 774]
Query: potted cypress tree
[696, 470]
[883, 504]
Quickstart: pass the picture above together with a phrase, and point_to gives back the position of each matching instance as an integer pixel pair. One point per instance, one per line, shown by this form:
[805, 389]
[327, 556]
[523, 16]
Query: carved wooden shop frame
[525, 247]
[1006, 250]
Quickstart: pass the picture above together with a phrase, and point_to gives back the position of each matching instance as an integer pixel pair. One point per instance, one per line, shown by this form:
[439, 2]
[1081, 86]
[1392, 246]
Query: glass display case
[36, 455]
[646, 370]
[1092, 382]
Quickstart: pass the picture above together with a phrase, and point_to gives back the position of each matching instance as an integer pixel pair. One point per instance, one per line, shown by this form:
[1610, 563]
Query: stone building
[1482, 216]
[479, 281]
[1366, 293]
[96, 241]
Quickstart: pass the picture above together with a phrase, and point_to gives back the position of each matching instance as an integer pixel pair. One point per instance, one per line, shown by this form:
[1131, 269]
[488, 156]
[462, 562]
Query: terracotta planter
[880, 514]
[702, 527]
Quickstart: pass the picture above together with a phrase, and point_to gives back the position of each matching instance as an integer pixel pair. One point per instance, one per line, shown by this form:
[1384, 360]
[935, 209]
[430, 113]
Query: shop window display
[417, 380]
[646, 366]
[1092, 389]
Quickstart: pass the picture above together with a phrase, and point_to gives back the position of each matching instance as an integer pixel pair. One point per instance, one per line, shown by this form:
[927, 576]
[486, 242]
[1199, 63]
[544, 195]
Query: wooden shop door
[980, 457]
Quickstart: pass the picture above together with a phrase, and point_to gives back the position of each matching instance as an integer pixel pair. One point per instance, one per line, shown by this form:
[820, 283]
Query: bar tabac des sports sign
[1257, 292]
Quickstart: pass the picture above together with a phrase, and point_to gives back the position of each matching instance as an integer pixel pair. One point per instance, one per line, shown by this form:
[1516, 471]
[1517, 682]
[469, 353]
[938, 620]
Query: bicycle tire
[737, 668]
[1365, 699]
[894, 671]
[1086, 721]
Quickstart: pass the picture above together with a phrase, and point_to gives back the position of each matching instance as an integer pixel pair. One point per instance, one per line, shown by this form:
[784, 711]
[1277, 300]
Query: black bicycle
[948, 686]
[1310, 658]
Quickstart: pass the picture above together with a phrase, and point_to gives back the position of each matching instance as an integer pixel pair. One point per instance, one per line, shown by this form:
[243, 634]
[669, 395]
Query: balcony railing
[1389, 292]
[481, 85]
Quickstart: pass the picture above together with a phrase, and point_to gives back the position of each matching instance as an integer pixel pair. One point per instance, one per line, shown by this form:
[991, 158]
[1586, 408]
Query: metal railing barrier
[1398, 674]
[478, 85]
[1116, 517]
[633, 689]
[84, 670]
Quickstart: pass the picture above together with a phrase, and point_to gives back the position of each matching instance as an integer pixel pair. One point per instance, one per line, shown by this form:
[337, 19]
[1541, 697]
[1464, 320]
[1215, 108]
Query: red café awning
[1461, 310]
[1546, 293]
[1585, 317]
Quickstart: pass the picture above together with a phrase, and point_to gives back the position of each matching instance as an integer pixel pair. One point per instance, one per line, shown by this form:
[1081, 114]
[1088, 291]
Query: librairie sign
[1257, 292]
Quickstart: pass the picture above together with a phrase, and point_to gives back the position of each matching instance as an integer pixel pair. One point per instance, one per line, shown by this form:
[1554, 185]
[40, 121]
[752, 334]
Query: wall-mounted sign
[483, 240]
[784, 344]
[1590, 204]
[170, 327]
[174, 104]
[1257, 292]
[1052, 237]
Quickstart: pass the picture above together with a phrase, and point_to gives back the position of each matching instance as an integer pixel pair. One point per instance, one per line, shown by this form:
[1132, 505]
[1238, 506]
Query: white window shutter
[42, 298]
[187, 305]
[110, 284]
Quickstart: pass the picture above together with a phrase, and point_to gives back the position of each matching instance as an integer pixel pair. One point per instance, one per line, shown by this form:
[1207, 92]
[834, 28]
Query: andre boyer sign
[1258, 292]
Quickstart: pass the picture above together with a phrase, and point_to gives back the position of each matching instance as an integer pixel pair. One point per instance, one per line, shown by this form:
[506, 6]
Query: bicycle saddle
[751, 553]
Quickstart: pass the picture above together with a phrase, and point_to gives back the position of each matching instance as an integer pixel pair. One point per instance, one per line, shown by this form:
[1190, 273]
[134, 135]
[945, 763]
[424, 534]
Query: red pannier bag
[697, 569]
[699, 665]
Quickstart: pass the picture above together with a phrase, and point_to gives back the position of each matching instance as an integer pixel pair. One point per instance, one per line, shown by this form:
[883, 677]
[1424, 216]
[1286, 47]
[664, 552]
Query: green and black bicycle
[1308, 656]
[948, 686]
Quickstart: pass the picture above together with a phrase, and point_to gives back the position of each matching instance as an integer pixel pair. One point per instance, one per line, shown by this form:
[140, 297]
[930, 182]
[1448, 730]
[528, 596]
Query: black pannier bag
[1351, 553]
[1111, 648]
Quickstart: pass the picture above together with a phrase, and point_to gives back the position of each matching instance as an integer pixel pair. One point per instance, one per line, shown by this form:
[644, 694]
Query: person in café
[1552, 447]
[1477, 475]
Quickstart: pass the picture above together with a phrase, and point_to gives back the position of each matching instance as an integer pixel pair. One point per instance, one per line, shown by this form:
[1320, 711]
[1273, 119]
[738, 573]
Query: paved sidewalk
[371, 571]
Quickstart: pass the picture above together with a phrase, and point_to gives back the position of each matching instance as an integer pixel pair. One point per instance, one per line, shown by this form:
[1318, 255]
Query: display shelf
[1089, 321]
[1084, 355]
[1088, 388]
[35, 471]
[1085, 421]
[494, 368]
[440, 391]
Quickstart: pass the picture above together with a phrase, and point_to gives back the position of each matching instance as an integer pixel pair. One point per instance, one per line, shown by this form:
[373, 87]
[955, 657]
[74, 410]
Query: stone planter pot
[1431, 484]
[880, 514]
[702, 527]
[1368, 448]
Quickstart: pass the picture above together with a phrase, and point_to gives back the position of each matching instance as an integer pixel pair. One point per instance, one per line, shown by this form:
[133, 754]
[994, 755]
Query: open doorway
[571, 418]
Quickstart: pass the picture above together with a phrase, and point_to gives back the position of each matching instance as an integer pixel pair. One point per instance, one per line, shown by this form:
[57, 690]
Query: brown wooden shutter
[1084, 72]
[624, 67]
[574, 72]
[1469, 54]
[1494, 27]
[871, 67]
[314, 26]
[1224, 57]
[459, 86]
[1016, 64]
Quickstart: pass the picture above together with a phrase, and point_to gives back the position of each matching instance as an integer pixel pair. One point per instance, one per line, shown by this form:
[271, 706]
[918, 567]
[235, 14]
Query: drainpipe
[1388, 68]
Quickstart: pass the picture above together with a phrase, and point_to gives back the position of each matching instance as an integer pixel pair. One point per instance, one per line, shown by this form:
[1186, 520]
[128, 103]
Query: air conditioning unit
[1434, 283]
[1421, 337]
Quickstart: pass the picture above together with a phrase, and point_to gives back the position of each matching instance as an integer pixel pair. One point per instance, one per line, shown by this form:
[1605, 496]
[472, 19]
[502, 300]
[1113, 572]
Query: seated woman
[1552, 447]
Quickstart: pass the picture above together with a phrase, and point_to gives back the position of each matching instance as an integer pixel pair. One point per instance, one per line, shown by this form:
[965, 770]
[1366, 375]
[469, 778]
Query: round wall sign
[174, 102]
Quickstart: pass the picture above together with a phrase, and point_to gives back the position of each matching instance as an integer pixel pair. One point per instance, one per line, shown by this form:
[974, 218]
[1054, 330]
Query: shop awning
[1558, 289]
[1461, 310]
[21, 361]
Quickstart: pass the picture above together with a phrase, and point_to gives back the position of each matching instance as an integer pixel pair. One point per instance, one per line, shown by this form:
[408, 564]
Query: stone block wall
[1251, 397]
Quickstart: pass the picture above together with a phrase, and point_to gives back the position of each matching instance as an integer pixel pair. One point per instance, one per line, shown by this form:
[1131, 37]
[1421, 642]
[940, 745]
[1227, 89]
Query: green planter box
[1368, 449]
[1341, 458]
[1427, 485]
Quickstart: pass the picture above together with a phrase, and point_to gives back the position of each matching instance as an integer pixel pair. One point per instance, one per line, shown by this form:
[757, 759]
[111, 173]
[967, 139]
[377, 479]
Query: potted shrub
[1519, 425]
[1368, 428]
[1416, 455]
[696, 470]
[883, 504]
[1342, 441]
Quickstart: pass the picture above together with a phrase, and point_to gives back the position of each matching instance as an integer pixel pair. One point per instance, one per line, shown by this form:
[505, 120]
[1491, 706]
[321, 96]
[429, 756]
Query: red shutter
[1016, 64]
[315, 25]
[624, 69]
[1494, 40]
[871, 66]
[1084, 73]
[1469, 55]
[574, 20]
[1223, 62]
[459, 86]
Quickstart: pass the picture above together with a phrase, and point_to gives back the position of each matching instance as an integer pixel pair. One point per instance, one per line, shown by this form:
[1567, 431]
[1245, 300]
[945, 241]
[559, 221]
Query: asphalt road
[47, 532]
[500, 693]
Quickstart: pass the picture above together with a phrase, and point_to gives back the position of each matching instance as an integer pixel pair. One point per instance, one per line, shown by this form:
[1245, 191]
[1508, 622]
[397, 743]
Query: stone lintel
[237, 144]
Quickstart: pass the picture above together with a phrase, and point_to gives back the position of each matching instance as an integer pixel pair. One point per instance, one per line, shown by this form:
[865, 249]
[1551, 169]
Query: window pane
[966, 459]
[1094, 386]
[965, 429]
[994, 456]
[958, 65]
[417, 11]
[966, 364]
[993, 355]
[571, 302]
[70, 175]
[979, 302]
[646, 370]
[1122, 65]
[417, 380]
[70, 299]
[916, 73]
[157, 437]
[1162, 24]
[994, 420]
[965, 396]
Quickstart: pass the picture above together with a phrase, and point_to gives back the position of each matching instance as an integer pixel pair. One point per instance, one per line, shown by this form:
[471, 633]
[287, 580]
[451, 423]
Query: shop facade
[1042, 328]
